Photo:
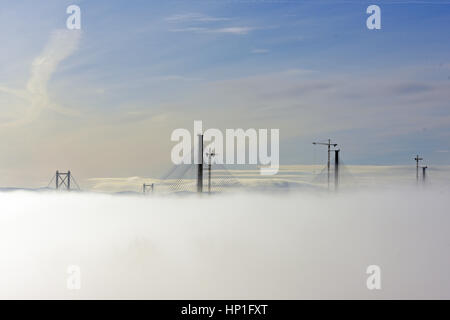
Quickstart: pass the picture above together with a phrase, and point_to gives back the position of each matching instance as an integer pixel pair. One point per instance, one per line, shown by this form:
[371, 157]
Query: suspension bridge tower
[146, 187]
[64, 180]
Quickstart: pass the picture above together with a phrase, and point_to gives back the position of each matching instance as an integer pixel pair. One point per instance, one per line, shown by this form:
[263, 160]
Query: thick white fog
[246, 246]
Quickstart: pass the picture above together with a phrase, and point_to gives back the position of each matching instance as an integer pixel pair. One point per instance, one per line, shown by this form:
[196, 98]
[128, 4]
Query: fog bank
[234, 246]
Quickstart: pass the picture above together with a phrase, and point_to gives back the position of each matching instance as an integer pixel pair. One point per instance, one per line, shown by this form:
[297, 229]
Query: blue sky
[139, 69]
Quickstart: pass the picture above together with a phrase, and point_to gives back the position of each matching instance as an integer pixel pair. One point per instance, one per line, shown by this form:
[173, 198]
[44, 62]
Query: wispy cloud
[201, 23]
[233, 30]
[189, 29]
[194, 17]
[228, 30]
[61, 45]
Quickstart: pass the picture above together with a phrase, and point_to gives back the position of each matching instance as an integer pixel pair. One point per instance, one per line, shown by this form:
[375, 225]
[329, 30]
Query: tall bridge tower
[62, 180]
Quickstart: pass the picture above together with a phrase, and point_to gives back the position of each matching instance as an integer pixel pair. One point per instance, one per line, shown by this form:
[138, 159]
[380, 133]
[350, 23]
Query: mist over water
[231, 246]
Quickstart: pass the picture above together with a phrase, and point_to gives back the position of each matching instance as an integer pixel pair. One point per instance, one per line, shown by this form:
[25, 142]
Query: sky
[102, 101]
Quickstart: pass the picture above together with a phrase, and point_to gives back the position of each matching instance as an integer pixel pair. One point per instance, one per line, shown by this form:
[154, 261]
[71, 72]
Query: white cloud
[228, 30]
[232, 30]
[190, 29]
[303, 245]
[188, 19]
[61, 45]
[194, 17]
[289, 178]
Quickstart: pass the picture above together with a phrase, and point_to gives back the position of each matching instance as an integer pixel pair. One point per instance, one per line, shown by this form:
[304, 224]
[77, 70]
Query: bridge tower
[63, 180]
